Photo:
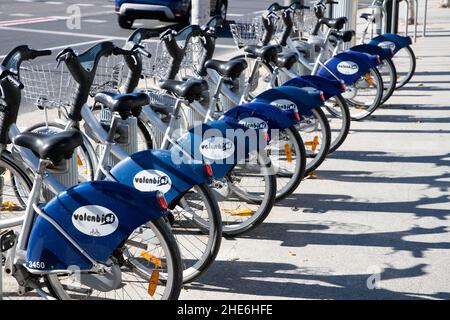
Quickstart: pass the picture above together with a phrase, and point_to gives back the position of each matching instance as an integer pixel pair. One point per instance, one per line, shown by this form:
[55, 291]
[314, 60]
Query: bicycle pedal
[7, 240]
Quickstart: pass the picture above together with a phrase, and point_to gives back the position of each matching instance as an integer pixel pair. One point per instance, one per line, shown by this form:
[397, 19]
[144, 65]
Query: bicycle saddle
[228, 69]
[286, 60]
[53, 147]
[190, 90]
[266, 53]
[337, 23]
[366, 16]
[345, 36]
[122, 103]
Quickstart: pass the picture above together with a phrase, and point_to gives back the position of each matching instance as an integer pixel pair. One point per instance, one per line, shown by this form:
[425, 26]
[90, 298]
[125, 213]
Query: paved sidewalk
[380, 206]
[379, 209]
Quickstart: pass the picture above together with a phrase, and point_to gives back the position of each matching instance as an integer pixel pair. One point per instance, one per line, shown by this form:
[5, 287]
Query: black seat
[366, 16]
[190, 90]
[53, 147]
[122, 103]
[228, 69]
[337, 23]
[287, 60]
[345, 36]
[266, 53]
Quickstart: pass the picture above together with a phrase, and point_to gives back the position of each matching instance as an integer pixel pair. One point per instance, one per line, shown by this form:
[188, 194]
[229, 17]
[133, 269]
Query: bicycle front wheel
[153, 273]
[15, 187]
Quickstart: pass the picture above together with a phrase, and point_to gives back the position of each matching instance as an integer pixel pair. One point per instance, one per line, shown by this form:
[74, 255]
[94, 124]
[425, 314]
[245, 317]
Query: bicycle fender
[156, 170]
[261, 116]
[219, 143]
[383, 53]
[348, 66]
[97, 215]
[329, 87]
[293, 99]
[391, 41]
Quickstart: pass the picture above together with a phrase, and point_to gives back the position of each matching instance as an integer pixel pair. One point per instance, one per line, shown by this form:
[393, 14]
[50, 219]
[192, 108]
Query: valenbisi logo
[284, 105]
[254, 123]
[152, 180]
[95, 221]
[387, 45]
[217, 148]
[347, 67]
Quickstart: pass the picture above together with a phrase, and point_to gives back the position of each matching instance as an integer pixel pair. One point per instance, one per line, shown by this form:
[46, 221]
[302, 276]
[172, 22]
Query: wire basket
[304, 21]
[194, 55]
[47, 85]
[110, 75]
[52, 86]
[247, 32]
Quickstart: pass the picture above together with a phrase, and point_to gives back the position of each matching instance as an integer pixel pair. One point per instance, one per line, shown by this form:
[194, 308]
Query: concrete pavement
[375, 222]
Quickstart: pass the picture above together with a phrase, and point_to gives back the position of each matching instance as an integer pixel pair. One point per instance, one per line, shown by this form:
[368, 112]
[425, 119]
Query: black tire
[344, 115]
[412, 70]
[213, 227]
[299, 173]
[161, 225]
[320, 157]
[389, 86]
[125, 22]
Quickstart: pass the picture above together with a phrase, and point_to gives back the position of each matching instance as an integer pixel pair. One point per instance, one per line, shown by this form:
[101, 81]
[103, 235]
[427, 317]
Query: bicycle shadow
[330, 233]
[284, 280]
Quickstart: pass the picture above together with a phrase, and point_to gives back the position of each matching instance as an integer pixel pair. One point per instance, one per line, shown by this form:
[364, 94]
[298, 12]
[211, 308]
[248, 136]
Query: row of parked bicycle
[174, 149]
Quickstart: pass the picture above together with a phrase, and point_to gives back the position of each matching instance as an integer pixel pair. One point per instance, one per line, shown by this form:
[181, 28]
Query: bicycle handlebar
[14, 59]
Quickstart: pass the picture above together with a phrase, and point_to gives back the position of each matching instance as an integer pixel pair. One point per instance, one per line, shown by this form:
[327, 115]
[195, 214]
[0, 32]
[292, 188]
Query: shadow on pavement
[282, 280]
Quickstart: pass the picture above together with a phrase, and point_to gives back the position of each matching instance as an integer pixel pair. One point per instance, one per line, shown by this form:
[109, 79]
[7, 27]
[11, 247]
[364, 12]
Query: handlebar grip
[144, 52]
[15, 82]
[41, 53]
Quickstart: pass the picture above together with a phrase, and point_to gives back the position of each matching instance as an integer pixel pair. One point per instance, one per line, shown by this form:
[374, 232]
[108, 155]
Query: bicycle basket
[47, 85]
[110, 75]
[304, 21]
[247, 32]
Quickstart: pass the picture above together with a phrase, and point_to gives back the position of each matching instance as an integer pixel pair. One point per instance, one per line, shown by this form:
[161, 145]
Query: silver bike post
[425, 19]
[21, 252]
[173, 119]
[214, 99]
[416, 18]
[322, 50]
[251, 80]
[406, 17]
[394, 14]
[107, 148]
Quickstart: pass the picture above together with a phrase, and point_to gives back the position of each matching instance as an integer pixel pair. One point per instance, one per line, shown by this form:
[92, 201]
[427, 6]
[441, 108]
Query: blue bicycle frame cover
[348, 66]
[292, 98]
[391, 41]
[97, 215]
[219, 143]
[261, 116]
[329, 87]
[160, 170]
[383, 53]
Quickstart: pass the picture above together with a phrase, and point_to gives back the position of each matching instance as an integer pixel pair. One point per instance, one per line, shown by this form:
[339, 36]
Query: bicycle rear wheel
[405, 64]
[365, 95]
[339, 121]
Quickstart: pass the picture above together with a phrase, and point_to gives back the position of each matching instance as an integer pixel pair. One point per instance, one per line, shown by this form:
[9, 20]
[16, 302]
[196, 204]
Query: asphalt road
[49, 24]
